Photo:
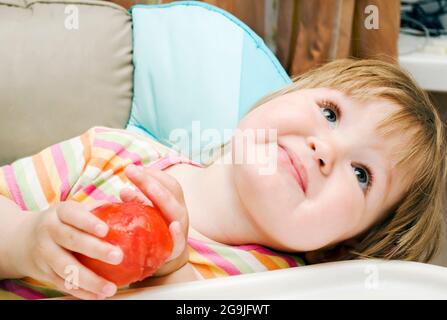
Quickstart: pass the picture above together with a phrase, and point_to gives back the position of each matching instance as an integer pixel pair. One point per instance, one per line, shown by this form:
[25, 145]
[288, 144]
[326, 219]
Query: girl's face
[334, 176]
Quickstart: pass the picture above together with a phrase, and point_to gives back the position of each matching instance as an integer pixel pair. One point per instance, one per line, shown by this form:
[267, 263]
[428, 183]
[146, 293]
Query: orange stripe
[4, 190]
[38, 283]
[123, 177]
[205, 271]
[79, 196]
[116, 165]
[108, 164]
[108, 160]
[44, 179]
[98, 163]
[85, 140]
[265, 260]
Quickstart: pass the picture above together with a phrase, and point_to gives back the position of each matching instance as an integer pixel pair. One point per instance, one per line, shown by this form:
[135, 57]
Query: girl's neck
[215, 211]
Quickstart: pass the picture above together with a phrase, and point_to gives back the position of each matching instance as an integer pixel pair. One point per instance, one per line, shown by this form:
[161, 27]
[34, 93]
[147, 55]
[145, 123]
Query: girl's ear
[331, 253]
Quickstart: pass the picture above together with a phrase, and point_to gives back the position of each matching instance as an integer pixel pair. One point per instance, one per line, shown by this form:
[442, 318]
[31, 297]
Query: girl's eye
[330, 111]
[364, 177]
[330, 115]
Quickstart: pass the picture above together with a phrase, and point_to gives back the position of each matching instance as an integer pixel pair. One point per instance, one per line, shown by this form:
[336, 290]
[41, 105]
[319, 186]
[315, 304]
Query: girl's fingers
[178, 238]
[78, 216]
[130, 195]
[71, 289]
[66, 265]
[160, 197]
[94, 204]
[169, 182]
[81, 242]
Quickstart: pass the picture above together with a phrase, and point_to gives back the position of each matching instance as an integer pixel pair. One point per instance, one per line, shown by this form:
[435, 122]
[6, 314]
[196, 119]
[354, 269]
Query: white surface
[428, 64]
[338, 280]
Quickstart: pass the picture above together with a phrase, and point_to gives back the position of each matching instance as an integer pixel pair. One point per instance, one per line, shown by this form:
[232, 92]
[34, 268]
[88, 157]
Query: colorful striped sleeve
[85, 168]
[35, 182]
[218, 260]
[111, 152]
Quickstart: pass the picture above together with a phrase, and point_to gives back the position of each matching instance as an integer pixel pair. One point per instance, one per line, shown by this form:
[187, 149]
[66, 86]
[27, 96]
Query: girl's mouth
[294, 166]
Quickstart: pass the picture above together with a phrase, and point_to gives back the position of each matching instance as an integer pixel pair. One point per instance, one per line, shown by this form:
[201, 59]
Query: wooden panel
[383, 41]
[285, 32]
[251, 12]
[342, 42]
[320, 24]
[128, 3]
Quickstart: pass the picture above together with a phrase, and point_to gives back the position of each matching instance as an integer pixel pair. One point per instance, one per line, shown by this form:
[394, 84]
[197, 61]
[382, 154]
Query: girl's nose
[323, 153]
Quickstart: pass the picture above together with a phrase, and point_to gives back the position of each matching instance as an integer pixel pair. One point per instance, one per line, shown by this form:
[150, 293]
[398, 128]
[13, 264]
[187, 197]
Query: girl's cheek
[340, 203]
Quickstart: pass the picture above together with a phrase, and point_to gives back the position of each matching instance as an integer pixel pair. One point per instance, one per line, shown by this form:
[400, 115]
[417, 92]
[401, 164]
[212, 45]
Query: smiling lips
[294, 165]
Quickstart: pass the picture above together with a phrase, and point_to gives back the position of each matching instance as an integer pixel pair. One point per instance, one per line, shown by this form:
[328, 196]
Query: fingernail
[115, 256]
[101, 229]
[109, 289]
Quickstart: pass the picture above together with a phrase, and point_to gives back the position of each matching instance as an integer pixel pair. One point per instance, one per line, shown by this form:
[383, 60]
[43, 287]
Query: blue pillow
[197, 67]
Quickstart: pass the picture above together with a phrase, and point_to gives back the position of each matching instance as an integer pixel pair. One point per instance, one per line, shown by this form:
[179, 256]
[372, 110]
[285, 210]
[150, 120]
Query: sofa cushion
[64, 66]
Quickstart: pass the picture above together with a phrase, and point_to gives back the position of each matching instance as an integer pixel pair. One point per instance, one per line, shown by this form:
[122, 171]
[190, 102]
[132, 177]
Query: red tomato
[143, 235]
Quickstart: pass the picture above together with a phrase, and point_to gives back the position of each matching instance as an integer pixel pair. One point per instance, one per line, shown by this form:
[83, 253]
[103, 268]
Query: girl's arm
[11, 216]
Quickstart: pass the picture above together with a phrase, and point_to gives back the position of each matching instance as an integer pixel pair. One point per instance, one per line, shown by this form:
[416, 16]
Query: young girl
[359, 173]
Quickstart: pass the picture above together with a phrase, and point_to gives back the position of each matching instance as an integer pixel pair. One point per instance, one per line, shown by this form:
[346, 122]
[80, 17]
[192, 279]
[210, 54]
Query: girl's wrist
[13, 262]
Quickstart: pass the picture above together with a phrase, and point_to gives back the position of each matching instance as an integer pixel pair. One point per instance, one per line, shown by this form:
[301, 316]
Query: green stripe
[126, 142]
[110, 188]
[275, 253]
[6, 295]
[101, 183]
[25, 189]
[70, 160]
[228, 254]
[299, 261]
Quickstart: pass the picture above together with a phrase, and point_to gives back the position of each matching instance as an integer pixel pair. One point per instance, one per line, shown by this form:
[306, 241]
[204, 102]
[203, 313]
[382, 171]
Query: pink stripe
[62, 170]
[214, 257]
[161, 164]
[118, 149]
[263, 250]
[13, 187]
[24, 292]
[92, 191]
[171, 159]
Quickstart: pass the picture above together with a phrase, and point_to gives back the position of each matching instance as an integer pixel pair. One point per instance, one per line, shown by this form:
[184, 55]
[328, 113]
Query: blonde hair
[414, 228]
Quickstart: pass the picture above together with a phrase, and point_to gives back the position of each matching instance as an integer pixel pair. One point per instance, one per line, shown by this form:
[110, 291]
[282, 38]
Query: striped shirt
[89, 168]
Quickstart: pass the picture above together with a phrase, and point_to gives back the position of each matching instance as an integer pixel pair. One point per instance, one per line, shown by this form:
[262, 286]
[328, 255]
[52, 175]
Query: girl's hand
[159, 189]
[47, 238]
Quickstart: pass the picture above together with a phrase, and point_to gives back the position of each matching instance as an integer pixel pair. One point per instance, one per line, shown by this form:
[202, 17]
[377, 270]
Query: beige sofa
[64, 67]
